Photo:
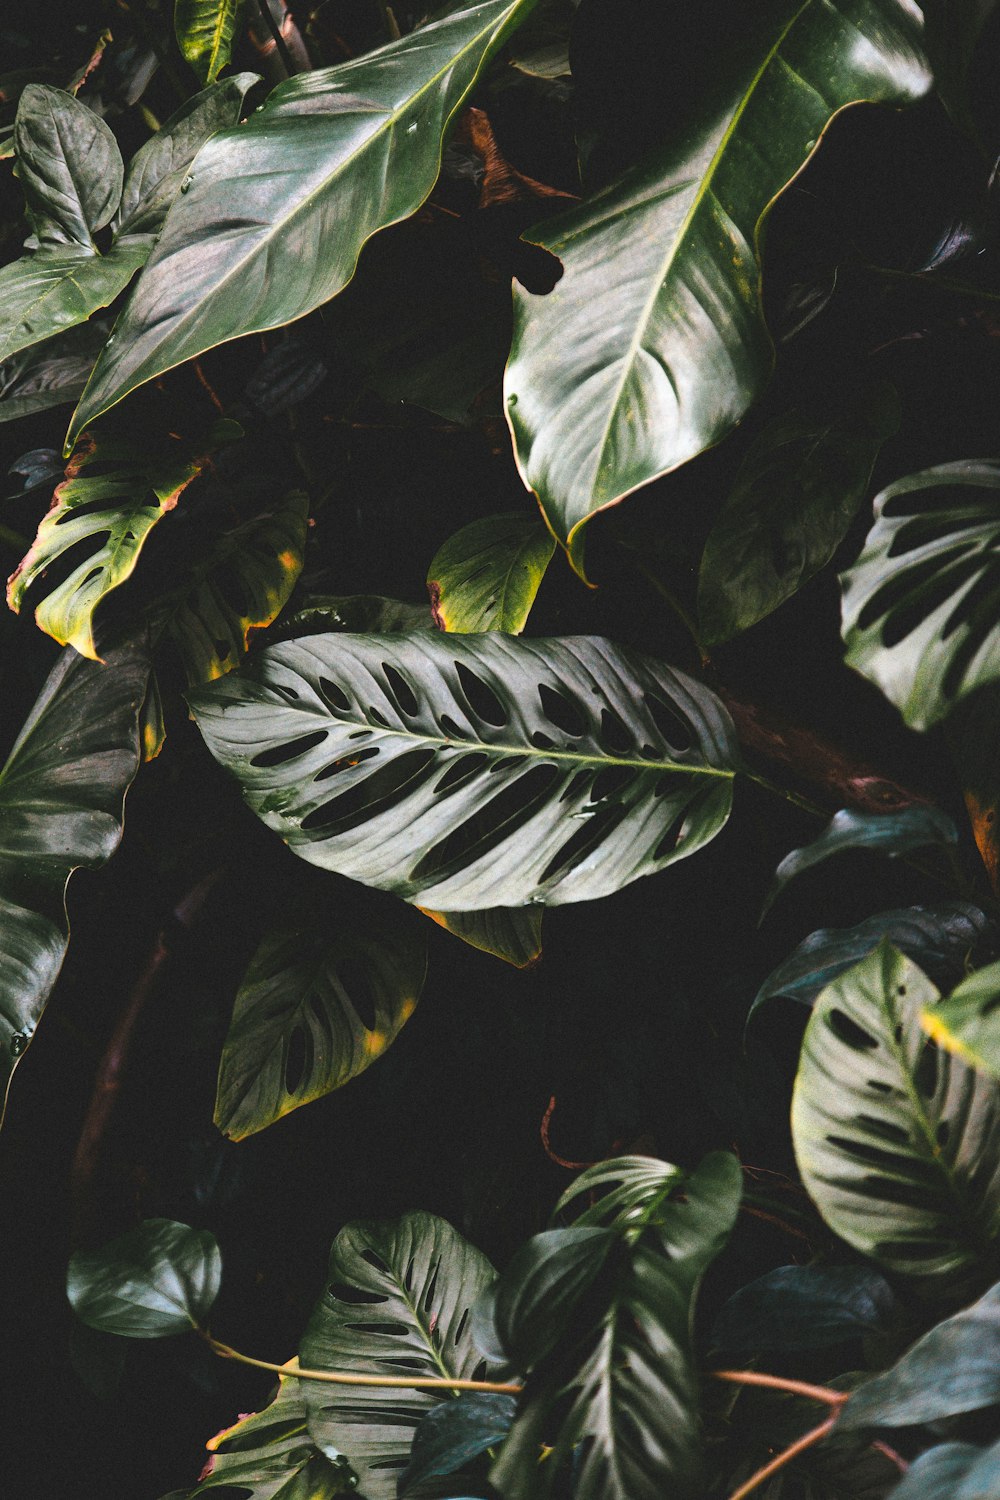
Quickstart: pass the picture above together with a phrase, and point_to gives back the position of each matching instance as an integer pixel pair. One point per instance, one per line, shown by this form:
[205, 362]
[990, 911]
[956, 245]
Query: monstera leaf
[920, 604]
[464, 772]
[967, 1022]
[513, 933]
[487, 575]
[324, 996]
[365, 139]
[205, 31]
[157, 1280]
[397, 1304]
[896, 1141]
[617, 378]
[61, 797]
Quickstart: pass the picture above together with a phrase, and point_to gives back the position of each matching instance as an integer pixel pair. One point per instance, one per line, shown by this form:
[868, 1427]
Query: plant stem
[808, 1440]
[824, 1393]
[287, 61]
[331, 1377]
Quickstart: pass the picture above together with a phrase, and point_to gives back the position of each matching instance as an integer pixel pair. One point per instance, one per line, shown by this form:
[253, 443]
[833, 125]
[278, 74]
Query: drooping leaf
[113, 495]
[967, 1022]
[486, 576]
[205, 30]
[453, 1433]
[939, 938]
[515, 771]
[378, 119]
[397, 1303]
[513, 933]
[69, 167]
[953, 1368]
[621, 1387]
[794, 497]
[896, 1141]
[61, 796]
[159, 1279]
[891, 833]
[325, 995]
[919, 609]
[803, 1307]
[615, 379]
[952, 1471]
[50, 373]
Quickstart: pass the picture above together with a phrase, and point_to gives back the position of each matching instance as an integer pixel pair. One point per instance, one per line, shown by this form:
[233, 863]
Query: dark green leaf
[50, 373]
[487, 575]
[952, 29]
[61, 797]
[952, 1471]
[539, 1296]
[967, 1022]
[794, 497]
[51, 290]
[378, 119]
[513, 933]
[454, 1433]
[803, 1307]
[358, 614]
[159, 1279]
[920, 604]
[205, 30]
[617, 378]
[69, 167]
[896, 1141]
[544, 770]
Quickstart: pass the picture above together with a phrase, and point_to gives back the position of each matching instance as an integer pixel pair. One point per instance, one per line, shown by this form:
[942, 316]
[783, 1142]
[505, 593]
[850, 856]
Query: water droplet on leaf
[18, 1043]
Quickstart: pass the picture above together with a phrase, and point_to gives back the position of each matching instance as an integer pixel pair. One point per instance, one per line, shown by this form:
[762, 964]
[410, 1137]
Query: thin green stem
[383, 1382]
[287, 61]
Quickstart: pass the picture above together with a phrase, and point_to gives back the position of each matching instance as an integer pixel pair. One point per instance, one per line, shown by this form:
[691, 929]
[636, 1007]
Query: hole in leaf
[668, 843]
[461, 770]
[541, 741]
[357, 984]
[375, 1260]
[614, 737]
[669, 722]
[562, 712]
[353, 1295]
[480, 697]
[297, 1057]
[400, 691]
[378, 793]
[610, 781]
[586, 838]
[277, 755]
[850, 1033]
[335, 697]
[501, 817]
[377, 1330]
[451, 729]
[286, 692]
[345, 763]
[926, 1074]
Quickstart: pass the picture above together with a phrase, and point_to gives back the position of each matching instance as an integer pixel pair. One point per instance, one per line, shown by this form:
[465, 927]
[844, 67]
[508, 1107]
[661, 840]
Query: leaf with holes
[487, 575]
[896, 1141]
[278, 210]
[397, 1304]
[653, 344]
[205, 30]
[159, 1279]
[324, 996]
[513, 933]
[62, 792]
[113, 495]
[967, 1023]
[475, 771]
[920, 604]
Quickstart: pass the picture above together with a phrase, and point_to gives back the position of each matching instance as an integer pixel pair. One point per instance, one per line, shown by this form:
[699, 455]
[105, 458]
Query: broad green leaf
[254, 243]
[61, 796]
[69, 168]
[803, 1307]
[653, 344]
[486, 576]
[896, 1141]
[271, 1455]
[919, 608]
[619, 1393]
[324, 996]
[44, 293]
[205, 30]
[454, 1433]
[952, 1471]
[475, 771]
[513, 933]
[397, 1302]
[51, 373]
[794, 497]
[159, 1279]
[113, 495]
[967, 1022]
[952, 29]
[891, 833]
[954, 1368]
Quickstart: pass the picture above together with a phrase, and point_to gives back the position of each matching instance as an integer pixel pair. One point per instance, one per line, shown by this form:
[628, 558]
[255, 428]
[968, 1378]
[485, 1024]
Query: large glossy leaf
[61, 797]
[920, 604]
[653, 344]
[952, 1471]
[487, 575]
[967, 1022]
[276, 212]
[897, 1142]
[793, 499]
[69, 168]
[620, 1388]
[464, 772]
[205, 31]
[803, 1307]
[323, 998]
[159, 1279]
[397, 1303]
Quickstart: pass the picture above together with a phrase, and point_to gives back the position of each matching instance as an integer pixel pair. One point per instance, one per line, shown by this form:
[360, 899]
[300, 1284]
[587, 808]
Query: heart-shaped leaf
[397, 1304]
[967, 1022]
[324, 996]
[205, 31]
[159, 1279]
[920, 604]
[617, 376]
[69, 167]
[896, 1141]
[487, 575]
[464, 772]
[378, 119]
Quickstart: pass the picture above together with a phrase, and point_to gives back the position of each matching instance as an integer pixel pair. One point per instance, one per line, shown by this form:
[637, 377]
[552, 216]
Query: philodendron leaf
[794, 497]
[465, 772]
[453, 1433]
[365, 138]
[159, 1279]
[513, 933]
[653, 344]
[205, 31]
[324, 996]
[896, 1141]
[891, 833]
[487, 575]
[69, 167]
[51, 373]
[397, 1302]
[803, 1307]
[618, 1389]
[920, 604]
[952, 1471]
[61, 797]
[967, 1022]
[113, 495]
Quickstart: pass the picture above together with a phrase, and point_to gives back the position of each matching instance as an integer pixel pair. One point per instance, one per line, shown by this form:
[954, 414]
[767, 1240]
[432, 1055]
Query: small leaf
[69, 167]
[487, 575]
[454, 1433]
[803, 1307]
[159, 1279]
[513, 933]
[205, 30]
[967, 1022]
